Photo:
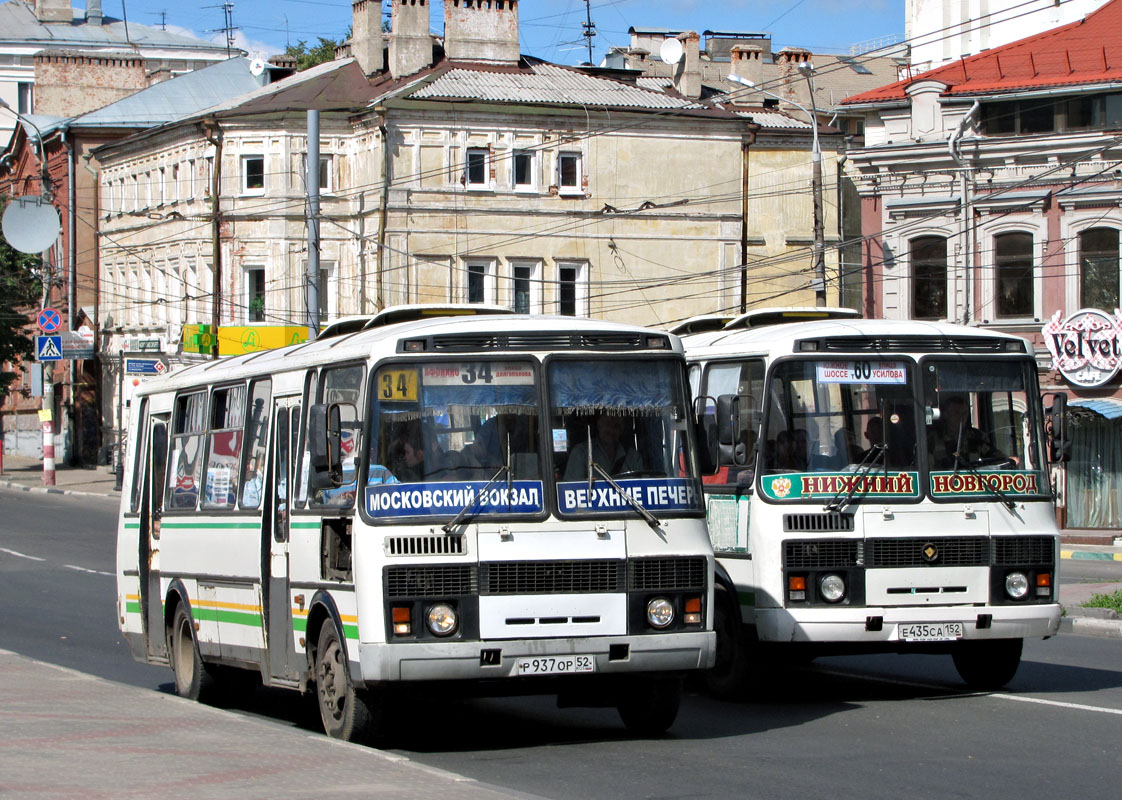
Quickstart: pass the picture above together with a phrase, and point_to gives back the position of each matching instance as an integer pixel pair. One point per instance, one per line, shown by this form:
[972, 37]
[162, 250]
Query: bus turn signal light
[402, 620]
[796, 587]
[1043, 584]
[693, 611]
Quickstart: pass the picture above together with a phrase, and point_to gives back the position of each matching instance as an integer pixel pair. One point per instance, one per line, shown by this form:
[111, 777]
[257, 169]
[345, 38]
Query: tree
[19, 292]
[306, 57]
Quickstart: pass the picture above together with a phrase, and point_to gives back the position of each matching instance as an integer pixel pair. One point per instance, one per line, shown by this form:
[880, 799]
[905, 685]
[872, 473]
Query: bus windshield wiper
[647, 516]
[961, 460]
[476, 497]
[838, 502]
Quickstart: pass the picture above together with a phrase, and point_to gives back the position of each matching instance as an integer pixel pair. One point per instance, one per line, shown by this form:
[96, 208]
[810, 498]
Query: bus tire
[729, 674]
[989, 664]
[193, 680]
[343, 709]
[650, 704]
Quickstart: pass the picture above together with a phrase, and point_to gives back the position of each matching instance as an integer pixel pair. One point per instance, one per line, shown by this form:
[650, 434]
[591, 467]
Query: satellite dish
[256, 66]
[31, 224]
[670, 51]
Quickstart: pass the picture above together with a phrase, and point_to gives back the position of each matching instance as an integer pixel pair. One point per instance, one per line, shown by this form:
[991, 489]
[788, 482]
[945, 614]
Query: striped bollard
[48, 453]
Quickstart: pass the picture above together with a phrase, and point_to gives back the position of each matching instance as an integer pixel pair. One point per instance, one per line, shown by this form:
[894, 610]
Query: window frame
[532, 184]
[577, 157]
[486, 267]
[581, 287]
[998, 266]
[485, 183]
[533, 281]
[918, 283]
[1084, 301]
[244, 175]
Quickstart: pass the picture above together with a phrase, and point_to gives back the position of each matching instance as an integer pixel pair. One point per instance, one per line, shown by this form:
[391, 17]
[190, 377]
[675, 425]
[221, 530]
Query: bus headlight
[660, 613]
[442, 619]
[831, 588]
[1016, 585]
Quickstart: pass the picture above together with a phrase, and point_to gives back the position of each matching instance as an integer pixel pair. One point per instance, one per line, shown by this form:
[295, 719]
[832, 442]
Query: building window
[1013, 262]
[480, 277]
[255, 294]
[253, 174]
[523, 165]
[569, 173]
[525, 294]
[1098, 269]
[328, 296]
[1042, 115]
[929, 277]
[25, 102]
[475, 168]
[572, 289]
[326, 184]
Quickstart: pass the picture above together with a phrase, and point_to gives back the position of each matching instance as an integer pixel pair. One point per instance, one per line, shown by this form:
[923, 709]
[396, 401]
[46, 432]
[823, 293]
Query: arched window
[1098, 268]
[928, 256]
[1013, 262]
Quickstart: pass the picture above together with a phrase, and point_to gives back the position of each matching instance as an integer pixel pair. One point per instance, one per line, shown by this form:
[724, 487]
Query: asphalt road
[889, 726]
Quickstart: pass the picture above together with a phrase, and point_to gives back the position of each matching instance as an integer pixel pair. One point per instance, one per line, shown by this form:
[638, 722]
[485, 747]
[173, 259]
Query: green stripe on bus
[313, 524]
[232, 617]
[213, 525]
[132, 526]
[299, 624]
[132, 607]
[350, 631]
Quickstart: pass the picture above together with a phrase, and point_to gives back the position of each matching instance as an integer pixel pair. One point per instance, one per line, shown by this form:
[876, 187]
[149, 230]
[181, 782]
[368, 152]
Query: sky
[550, 29]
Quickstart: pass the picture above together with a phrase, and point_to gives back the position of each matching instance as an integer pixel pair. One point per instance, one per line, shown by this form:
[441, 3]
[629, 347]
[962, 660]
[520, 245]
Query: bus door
[283, 662]
[152, 510]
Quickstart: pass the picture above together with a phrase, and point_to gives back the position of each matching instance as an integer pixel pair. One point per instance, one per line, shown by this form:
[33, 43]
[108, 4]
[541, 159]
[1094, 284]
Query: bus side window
[186, 452]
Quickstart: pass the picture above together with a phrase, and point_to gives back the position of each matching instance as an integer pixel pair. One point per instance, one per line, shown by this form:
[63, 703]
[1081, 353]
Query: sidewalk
[71, 735]
[21, 472]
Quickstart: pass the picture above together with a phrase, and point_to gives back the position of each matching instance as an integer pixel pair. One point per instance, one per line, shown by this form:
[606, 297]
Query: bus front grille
[425, 545]
[815, 523]
[666, 574]
[551, 577]
[821, 553]
[438, 580]
[1024, 551]
[952, 551]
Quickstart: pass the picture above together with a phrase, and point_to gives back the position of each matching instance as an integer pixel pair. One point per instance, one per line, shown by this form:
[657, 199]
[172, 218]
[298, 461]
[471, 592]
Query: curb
[55, 490]
[1090, 626]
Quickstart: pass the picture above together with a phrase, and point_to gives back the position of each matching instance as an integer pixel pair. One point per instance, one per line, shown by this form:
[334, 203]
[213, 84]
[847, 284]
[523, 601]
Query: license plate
[930, 631]
[554, 665]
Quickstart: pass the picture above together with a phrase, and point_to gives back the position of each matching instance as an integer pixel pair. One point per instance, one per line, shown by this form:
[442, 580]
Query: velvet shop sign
[1087, 346]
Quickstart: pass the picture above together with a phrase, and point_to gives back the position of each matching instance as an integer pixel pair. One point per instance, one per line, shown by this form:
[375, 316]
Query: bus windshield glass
[450, 435]
[830, 422]
[627, 420]
[983, 429]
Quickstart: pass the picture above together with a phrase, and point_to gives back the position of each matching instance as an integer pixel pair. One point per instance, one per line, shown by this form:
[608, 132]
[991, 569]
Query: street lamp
[815, 176]
[39, 141]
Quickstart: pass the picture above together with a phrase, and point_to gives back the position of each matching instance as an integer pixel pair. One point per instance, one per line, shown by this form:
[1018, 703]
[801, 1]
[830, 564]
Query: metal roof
[774, 119]
[1108, 407]
[19, 25]
[544, 83]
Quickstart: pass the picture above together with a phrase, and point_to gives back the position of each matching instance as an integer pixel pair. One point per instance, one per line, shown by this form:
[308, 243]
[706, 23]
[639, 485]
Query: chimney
[687, 72]
[366, 35]
[747, 61]
[481, 30]
[410, 42]
[93, 12]
[794, 85]
[54, 11]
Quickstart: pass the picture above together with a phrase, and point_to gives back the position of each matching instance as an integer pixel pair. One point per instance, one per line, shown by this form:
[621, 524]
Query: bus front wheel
[192, 679]
[728, 676]
[989, 664]
[650, 704]
[346, 712]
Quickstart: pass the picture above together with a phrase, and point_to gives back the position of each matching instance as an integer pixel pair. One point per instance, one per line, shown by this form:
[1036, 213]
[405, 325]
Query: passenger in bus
[251, 489]
[952, 441]
[874, 432]
[498, 435]
[407, 456]
[792, 450]
[610, 450]
[846, 451]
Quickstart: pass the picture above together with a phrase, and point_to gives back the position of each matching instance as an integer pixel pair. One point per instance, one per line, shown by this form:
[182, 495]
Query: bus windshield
[443, 432]
[625, 419]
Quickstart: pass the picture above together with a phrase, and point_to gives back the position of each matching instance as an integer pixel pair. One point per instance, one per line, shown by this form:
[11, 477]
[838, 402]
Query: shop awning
[1107, 407]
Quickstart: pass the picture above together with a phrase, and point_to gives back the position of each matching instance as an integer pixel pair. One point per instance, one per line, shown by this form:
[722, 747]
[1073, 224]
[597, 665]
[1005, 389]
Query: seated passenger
[610, 451]
[952, 441]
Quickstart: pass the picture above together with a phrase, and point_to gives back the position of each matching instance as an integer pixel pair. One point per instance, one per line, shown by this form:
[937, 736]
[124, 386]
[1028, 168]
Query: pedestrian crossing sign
[48, 348]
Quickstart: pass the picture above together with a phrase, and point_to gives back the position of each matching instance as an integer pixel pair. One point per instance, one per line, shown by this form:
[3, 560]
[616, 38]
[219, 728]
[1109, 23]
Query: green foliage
[1113, 601]
[19, 292]
[310, 56]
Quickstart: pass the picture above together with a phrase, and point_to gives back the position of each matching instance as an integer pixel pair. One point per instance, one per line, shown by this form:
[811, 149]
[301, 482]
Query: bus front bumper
[481, 660]
[883, 625]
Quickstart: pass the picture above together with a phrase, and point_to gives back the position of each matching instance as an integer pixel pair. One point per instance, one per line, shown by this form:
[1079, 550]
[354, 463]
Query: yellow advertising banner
[234, 340]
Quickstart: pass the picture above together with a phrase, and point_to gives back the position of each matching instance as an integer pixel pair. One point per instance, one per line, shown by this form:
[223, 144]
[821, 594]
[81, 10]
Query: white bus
[883, 487]
[423, 495]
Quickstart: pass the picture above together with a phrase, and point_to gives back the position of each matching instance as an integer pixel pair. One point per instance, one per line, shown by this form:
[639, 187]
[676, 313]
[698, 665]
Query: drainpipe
[839, 191]
[213, 135]
[384, 210]
[71, 292]
[967, 252]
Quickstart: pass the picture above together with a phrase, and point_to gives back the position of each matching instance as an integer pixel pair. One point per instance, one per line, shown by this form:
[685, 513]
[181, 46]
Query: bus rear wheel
[989, 664]
[729, 674]
[650, 704]
[192, 679]
[346, 712]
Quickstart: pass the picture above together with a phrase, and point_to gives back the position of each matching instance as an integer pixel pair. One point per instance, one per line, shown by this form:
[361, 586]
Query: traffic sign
[49, 320]
[144, 366]
[48, 348]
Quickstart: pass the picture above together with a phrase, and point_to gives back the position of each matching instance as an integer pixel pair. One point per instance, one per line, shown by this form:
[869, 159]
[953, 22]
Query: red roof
[1084, 52]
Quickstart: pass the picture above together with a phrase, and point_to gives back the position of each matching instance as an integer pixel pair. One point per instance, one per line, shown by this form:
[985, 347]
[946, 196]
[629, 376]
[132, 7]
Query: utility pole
[589, 28]
[311, 285]
[807, 69]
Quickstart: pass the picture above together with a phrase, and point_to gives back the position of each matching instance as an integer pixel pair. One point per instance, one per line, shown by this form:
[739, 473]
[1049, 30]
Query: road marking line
[20, 555]
[998, 695]
[91, 571]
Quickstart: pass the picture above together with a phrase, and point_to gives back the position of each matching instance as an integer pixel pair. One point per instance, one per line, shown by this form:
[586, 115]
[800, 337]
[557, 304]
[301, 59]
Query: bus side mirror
[1058, 430]
[730, 425]
[705, 433]
[325, 436]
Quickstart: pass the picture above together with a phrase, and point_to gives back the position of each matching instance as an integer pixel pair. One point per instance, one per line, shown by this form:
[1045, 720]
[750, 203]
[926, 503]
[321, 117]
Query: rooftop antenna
[589, 28]
[228, 29]
[163, 15]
